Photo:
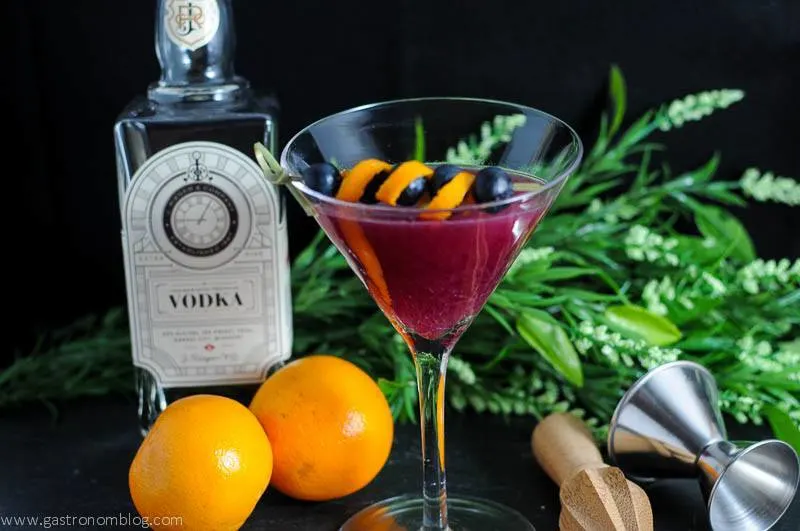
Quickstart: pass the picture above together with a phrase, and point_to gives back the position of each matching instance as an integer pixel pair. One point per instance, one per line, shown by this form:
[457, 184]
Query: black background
[76, 63]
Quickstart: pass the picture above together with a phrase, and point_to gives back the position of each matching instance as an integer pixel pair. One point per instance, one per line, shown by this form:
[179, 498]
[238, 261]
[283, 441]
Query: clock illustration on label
[201, 204]
[200, 219]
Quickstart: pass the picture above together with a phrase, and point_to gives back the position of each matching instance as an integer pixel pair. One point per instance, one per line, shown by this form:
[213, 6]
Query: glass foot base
[404, 513]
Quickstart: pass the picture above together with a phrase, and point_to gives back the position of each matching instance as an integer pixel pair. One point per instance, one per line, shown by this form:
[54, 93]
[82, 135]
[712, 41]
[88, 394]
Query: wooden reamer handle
[563, 447]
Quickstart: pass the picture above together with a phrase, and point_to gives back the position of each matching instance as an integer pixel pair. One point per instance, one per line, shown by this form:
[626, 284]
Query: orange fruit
[329, 424]
[205, 462]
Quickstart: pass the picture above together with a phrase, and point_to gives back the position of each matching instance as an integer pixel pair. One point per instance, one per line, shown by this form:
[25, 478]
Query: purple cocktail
[431, 277]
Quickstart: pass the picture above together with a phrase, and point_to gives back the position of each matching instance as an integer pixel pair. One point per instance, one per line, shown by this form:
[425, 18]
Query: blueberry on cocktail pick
[441, 176]
[492, 184]
[413, 192]
[374, 185]
[322, 177]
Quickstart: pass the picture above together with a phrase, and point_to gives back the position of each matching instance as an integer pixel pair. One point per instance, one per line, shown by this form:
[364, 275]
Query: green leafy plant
[91, 357]
[634, 266]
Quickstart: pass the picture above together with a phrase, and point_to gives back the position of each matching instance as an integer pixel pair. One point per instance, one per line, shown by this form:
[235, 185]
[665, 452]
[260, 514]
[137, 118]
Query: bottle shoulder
[255, 105]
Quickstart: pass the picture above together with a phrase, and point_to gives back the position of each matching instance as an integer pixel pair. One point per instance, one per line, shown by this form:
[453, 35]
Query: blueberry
[373, 186]
[413, 192]
[492, 184]
[323, 178]
[441, 176]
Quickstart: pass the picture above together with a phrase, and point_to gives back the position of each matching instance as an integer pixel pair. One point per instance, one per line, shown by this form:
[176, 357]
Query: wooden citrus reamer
[594, 496]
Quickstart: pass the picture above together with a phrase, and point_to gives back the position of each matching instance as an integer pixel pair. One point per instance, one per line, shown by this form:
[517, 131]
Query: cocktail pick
[276, 175]
[669, 424]
[594, 496]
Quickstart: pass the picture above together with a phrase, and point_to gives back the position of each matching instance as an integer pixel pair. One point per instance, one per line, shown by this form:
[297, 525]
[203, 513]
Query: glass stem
[430, 360]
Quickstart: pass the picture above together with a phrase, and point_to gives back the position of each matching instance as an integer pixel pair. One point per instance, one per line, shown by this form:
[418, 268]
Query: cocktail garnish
[441, 176]
[405, 185]
[322, 177]
[358, 177]
[450, 196]
[369, 196]
[492, 184]
[372, 181]
[279, 177]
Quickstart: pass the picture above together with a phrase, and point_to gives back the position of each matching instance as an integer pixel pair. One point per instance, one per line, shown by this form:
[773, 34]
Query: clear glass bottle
[204, 235]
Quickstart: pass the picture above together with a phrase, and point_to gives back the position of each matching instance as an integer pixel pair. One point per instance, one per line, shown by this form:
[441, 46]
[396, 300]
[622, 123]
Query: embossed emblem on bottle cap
[191, 23]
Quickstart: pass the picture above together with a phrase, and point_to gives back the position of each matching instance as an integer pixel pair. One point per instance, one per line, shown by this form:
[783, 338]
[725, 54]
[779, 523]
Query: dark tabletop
[77, 465]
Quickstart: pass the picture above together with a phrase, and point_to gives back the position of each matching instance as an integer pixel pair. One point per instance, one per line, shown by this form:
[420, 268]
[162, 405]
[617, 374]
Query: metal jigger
[668, 425]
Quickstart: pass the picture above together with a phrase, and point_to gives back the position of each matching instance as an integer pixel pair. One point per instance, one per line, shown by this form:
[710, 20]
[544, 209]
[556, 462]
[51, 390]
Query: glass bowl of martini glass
[430, 201]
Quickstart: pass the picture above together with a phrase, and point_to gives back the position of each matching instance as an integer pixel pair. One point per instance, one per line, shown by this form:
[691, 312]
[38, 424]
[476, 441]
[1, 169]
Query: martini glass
[431, 271]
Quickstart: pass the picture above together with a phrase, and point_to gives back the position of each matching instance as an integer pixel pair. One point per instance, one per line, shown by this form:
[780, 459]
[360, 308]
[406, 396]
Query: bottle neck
[195, 45]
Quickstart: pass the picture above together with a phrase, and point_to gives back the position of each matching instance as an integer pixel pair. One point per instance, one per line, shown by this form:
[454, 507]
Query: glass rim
[376, 208]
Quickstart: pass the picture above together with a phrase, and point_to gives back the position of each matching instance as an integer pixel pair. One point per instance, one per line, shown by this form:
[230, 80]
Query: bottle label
[191, 23]
[206, 263]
